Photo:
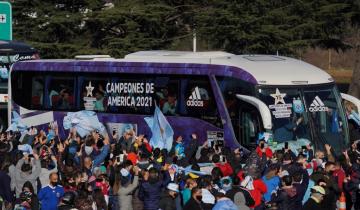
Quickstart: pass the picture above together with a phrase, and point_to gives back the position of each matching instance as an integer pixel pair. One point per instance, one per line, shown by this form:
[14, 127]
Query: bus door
[247, 125]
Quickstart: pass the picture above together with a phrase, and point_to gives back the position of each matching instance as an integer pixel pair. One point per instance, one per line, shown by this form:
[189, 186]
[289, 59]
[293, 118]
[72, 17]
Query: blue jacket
[50, 197]
[271, 185]
[225, 204]
[150, 195]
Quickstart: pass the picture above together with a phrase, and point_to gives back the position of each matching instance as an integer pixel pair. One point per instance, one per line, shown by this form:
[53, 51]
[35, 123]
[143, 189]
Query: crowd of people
[40, 171]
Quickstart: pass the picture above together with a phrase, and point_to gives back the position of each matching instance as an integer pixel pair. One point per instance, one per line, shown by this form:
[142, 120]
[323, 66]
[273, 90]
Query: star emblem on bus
[89, 90]
[279, 97]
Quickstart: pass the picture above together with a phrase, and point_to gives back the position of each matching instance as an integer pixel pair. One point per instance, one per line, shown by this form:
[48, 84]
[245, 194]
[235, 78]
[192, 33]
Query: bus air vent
[263, 58]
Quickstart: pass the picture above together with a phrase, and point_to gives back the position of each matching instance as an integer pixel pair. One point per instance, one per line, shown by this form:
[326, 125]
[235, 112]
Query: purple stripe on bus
[34, 113]
[135, 67]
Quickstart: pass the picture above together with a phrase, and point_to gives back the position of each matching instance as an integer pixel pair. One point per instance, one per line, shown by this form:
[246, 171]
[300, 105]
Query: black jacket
[167, 202]
[312, 205]
[301, 189]
[284, 199]
[332, 189]
[192, 204]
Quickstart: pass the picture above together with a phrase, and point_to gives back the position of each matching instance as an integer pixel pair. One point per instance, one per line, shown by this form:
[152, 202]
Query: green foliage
[64, 28]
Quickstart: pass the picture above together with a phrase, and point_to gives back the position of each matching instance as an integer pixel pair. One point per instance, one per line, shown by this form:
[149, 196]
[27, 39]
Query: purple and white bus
[217, 95]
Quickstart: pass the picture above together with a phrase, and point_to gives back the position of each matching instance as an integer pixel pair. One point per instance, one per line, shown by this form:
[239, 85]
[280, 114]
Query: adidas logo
[195, 98]
[318, 106]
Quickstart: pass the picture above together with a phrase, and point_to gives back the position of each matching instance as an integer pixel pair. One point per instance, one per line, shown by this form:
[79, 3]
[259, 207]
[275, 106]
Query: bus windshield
[312, 113]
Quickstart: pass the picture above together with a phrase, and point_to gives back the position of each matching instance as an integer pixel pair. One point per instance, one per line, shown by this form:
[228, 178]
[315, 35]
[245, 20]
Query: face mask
[88, 150]
[199, 197]
[53, 184]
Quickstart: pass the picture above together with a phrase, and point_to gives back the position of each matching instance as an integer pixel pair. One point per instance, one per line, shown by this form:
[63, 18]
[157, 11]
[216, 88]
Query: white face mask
[88, 150]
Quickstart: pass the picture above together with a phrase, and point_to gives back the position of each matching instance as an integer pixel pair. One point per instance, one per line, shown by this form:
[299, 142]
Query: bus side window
[167, 95]
[199, 101]
[37, 92]
[93, 92]
[61, 93]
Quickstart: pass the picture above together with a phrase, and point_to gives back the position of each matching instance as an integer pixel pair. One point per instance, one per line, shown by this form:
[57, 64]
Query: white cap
[173, 187]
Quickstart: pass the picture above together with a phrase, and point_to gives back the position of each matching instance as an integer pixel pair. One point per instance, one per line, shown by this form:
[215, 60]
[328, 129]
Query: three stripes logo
[318, 106]
[195, 98]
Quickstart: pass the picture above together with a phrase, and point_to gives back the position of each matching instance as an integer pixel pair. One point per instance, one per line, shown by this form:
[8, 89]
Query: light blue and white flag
[16, 123]
[162, 133]
[84, 122]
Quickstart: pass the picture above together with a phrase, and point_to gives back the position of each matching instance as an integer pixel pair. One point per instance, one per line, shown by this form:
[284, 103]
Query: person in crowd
[332, 187]
[187, 191]
[48, 165]
[179, 148]
[317, 196]
[224, 203]
[51, 195]
[191, 148]
[194, 203]
[27, 169]
[123, 145]
[271, 180]
[167, 201]
[285, 197]
[25, 201]
[99, 199]
[131, 174]
[127, 186]
[301, 183]
[34, 203]
[221, 163]
[151, 188]
[236, 188]
[5, 187]
[68, 201]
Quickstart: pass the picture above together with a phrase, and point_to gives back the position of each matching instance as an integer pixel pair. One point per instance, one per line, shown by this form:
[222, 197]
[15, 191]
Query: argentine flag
[162, 133]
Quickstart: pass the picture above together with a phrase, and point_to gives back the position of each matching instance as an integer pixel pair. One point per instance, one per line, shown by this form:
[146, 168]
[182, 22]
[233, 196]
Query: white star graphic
[279, 97]
[89, 90]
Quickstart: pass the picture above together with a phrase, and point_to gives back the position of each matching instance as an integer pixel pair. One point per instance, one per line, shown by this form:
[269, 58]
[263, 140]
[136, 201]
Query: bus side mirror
[352, 99]
[261, 106]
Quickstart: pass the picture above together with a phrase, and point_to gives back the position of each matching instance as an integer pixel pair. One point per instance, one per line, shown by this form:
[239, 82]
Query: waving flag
[84, 122]
[162, 133]
[16, 123]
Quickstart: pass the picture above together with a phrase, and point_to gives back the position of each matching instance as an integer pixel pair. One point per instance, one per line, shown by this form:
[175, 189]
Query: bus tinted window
[20, 86]
[61, 92]
[37, 92]
[175, 95]
[199, 100]
[93, 94]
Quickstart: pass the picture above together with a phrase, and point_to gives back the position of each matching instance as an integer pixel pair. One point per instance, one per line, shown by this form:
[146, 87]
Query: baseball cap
[173, 187]
[192, 175]
[319, 189]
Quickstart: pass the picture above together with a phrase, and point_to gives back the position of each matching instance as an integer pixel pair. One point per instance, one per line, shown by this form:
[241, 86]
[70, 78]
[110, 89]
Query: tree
[355, 27]
[268, 26]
